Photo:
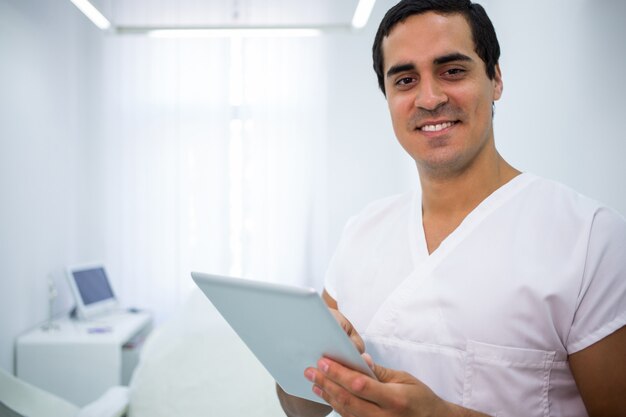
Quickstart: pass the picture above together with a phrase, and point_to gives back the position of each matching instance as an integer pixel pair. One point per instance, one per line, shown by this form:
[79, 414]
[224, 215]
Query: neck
[456, 194]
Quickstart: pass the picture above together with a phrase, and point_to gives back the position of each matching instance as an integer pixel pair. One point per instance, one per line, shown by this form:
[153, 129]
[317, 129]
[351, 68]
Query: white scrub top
[534, 273]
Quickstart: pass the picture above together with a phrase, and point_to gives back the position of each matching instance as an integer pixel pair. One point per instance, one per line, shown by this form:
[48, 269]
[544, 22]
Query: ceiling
[193, 13]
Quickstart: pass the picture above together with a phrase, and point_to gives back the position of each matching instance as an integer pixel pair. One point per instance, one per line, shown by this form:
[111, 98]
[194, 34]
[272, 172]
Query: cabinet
[80, 360]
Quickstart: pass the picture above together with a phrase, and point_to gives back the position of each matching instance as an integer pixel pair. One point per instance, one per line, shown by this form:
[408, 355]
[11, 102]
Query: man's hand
[396, 393]
[352, 393]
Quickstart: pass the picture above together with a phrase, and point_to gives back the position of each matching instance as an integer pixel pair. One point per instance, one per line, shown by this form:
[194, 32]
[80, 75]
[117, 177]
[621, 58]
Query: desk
[81, 359]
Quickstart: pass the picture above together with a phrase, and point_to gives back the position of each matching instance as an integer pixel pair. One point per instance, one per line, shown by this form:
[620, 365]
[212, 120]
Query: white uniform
[534, 273]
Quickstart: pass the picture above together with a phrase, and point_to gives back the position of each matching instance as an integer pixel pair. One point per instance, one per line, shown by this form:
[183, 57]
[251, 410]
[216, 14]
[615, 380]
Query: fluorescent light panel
[362, 13]
[232, 32]
[92, 13]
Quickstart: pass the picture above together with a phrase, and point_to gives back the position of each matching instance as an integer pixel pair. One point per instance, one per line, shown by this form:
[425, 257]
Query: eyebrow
[400, 68]
[456, 56]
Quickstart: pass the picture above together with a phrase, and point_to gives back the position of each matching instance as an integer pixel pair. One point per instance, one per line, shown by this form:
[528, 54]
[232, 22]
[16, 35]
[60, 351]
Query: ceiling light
[92, 13]
[224, 32]
[362, 13]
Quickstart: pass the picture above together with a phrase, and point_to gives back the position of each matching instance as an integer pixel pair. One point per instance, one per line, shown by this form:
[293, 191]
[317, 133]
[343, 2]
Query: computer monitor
[91, 289]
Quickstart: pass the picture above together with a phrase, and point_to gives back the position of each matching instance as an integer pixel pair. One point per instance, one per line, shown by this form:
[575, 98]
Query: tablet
[287, 328]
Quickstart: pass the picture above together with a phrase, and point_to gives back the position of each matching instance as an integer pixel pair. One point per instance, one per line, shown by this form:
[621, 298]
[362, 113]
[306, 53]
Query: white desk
[81, 359]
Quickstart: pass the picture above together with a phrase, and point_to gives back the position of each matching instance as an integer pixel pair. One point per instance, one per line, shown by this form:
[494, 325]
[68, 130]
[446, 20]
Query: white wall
[41, 158]
[560, 115]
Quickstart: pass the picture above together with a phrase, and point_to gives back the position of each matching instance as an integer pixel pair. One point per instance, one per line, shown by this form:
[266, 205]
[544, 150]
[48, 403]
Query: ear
[497, 84]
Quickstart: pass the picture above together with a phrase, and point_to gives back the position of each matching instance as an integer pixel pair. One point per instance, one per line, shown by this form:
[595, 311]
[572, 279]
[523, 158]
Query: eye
[454, 73]
[405, 82]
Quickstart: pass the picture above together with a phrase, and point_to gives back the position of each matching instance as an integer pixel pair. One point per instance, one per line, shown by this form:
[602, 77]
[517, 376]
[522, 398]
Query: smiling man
[491, 291]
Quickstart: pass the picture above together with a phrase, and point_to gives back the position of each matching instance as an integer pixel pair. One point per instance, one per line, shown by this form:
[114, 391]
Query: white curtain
[210, 156]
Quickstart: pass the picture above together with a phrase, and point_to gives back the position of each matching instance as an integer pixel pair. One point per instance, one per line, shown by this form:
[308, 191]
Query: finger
[357, 341]
[378, 392]
[342, 400]
[337, 408]
[386, 375]
[368, 360]
[355, 382]
[349, 329]
[382, 374]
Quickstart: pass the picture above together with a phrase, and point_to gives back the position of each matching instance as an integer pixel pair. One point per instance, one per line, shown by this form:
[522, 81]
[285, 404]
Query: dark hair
[483, 33]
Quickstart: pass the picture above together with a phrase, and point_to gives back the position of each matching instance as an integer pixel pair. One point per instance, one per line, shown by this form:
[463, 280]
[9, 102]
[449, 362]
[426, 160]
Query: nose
[429, 94]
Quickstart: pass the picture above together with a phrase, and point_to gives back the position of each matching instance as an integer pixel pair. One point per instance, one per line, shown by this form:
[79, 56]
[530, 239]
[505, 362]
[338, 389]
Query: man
[494, 292]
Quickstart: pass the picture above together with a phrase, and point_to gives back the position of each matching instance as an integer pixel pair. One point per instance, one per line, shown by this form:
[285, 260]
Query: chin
[443, 166]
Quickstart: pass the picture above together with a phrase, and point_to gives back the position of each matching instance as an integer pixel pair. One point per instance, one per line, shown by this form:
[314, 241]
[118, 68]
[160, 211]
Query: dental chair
[21, 399]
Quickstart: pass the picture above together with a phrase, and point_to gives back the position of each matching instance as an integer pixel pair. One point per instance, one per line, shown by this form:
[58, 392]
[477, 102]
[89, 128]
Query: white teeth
[436, 128]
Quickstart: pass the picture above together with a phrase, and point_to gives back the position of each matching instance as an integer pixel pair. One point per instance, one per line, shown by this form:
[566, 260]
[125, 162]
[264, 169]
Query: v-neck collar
[417, 236]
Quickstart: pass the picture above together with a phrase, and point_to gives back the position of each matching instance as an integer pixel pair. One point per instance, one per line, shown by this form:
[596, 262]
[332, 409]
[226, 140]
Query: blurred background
[245, 154]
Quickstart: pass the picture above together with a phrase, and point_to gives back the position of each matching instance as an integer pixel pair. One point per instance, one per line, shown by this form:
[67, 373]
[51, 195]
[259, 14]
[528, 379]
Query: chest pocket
[507, 382]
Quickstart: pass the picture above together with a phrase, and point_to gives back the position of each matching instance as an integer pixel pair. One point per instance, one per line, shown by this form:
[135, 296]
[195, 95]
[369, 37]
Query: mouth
[436, 126]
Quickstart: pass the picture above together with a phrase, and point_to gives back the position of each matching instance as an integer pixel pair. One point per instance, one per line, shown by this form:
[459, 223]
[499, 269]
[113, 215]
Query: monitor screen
[93, 285]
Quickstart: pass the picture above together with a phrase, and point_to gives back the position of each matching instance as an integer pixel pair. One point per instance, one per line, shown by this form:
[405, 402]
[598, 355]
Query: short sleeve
[601, 307]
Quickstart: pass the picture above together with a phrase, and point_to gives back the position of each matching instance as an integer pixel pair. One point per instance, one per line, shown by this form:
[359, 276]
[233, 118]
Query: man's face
[438, 93]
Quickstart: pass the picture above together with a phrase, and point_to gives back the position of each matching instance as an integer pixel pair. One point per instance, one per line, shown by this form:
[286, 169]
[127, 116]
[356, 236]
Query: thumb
[391, 375]
[382, 374]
